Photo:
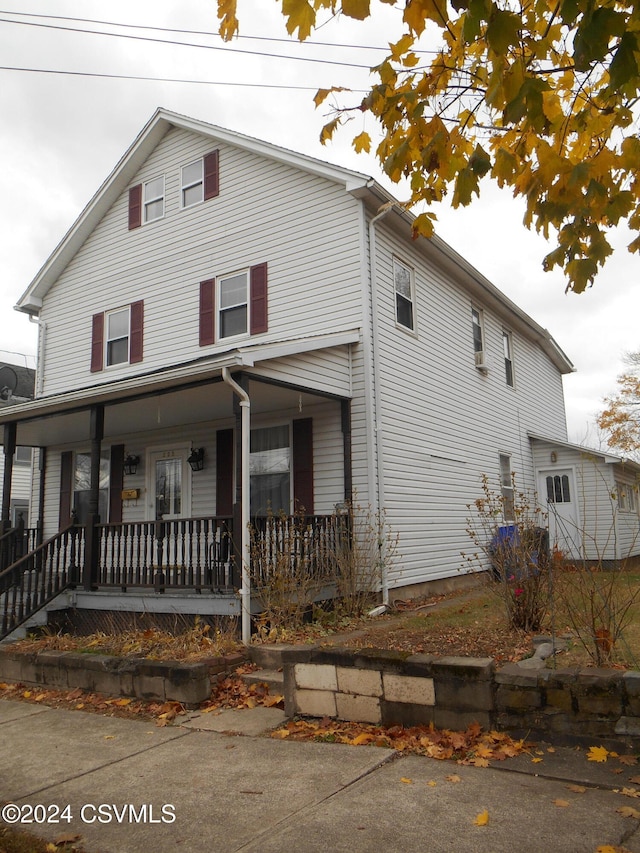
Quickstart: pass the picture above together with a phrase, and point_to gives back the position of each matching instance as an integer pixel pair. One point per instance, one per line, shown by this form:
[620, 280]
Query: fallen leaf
[453, 778]
[431, 783]
[122, 703]
[551, 749]
[536, 760]
[597, 753]
[561, 804]
[109, 737]
[635, 780]
[482, 819]
[577, 789]
[629, 811]
[406, 781]
[630, 792]
[67, 838]
[629, 760]
[27, 694]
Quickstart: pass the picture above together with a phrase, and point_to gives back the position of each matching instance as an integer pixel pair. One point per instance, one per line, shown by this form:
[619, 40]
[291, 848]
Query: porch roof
[63, 418]
[605, 456]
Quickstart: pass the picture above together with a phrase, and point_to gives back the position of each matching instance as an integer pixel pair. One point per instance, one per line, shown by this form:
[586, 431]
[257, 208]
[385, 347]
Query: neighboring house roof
[360, 185]
[17, 384]
[605, 456]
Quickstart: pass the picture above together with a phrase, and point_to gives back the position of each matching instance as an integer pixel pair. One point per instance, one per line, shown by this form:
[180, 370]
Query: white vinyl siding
[441, 423]
[317, 256]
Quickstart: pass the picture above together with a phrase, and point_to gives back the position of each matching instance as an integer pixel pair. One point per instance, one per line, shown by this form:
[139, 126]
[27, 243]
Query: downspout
[245, 545]
[377, 421]
[41, 350]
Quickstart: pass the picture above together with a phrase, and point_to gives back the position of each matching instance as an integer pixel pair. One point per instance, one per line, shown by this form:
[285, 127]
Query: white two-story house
[230, 326]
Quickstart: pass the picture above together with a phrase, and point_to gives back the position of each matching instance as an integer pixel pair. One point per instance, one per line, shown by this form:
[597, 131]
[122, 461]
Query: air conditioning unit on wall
[480, 362]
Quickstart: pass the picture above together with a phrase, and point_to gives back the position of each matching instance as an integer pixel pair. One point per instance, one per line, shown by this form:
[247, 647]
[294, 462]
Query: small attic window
[153, 199]
[192, 183]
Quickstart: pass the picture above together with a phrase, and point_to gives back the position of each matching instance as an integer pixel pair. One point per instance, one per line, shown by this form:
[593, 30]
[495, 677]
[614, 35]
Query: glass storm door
[170, 486]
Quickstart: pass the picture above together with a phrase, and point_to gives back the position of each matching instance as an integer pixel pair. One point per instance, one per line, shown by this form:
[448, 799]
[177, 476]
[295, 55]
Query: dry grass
[199, 642]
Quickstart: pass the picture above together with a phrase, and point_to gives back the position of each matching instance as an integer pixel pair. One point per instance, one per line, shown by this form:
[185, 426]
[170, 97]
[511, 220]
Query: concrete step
[273, 678]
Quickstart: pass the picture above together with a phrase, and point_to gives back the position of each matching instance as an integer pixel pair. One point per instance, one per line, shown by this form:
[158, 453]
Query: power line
[307, 42]
[166, 79]
[224, 48]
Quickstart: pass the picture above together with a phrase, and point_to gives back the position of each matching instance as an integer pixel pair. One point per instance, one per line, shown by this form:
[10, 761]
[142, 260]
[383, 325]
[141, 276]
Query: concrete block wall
[390, 688]
[141, 678]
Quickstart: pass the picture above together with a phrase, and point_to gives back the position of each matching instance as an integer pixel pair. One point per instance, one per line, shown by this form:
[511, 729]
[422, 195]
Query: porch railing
[191, 553]
[16, 542]
[35, 579]
[309, 545]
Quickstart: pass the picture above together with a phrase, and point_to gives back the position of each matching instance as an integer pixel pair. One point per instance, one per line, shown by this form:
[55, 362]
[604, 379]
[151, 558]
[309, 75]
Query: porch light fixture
[196, 459]
[131, 464]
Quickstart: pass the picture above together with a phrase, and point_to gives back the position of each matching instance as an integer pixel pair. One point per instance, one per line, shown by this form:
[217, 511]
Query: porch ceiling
[212, 401]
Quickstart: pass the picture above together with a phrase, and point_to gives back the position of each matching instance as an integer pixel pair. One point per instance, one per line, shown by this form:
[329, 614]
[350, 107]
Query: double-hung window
[153, 199]
[117, 336]
[233, 293]
[507, 488]
[405, 296]
[507, 347]
[476, 325]
[192, 183]
[270, 470]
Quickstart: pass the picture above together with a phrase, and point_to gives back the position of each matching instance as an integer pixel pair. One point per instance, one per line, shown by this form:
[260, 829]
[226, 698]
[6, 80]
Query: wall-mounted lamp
[196, 459]
[131, 464]
[554, 457]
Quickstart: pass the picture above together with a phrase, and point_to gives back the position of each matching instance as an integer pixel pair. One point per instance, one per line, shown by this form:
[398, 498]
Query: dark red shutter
[259, 314]
[211, 175]
[136, 335]
[116, 482]
[135, 206]
[303, 465]
[224, 472]
[207, 312]
[66, 488]
[97, 343]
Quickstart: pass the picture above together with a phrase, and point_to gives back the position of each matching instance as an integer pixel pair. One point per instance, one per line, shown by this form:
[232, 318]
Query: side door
[557, 491]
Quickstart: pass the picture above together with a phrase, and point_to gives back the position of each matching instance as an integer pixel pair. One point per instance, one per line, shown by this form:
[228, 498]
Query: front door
[169, 484]
[556, 489]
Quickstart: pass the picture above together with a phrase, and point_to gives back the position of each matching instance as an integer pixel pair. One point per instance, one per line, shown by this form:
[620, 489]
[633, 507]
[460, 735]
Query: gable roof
[360, 185]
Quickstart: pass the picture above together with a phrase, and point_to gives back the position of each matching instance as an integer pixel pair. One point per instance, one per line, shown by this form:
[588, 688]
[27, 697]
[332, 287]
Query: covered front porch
[150, 488]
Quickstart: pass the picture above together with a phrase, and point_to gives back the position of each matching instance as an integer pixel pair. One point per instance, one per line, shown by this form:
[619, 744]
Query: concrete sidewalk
[208, 791]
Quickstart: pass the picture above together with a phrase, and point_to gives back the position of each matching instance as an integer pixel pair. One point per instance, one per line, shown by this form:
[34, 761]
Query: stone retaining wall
[141, 678]
[390, 688]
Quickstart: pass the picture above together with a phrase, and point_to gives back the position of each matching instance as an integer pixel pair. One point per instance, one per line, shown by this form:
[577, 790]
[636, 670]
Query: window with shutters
[117, 336]
[199, 180]
[233, 305]
[270, 470]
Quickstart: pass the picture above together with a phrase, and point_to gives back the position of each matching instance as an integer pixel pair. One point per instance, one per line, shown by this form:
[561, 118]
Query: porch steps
[270, 659]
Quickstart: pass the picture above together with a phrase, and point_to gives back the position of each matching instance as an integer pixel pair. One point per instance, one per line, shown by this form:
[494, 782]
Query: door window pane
[168, 487]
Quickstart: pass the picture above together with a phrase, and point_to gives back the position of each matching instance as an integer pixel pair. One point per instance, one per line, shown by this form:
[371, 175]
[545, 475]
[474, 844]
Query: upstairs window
[476, 325]
[117, 351]
[233, 302]
[192, 181]
[404, 287]
[508, 357]
[153, 199]
[117, 336]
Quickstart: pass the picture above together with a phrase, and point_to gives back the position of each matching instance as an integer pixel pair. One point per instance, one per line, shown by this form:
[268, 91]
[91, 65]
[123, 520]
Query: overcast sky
[62, 134]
